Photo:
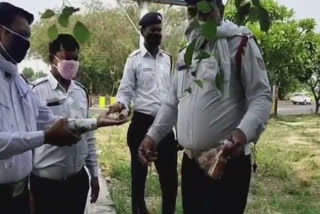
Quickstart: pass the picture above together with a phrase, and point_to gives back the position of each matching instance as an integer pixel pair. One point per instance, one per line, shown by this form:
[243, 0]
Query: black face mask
[18, 48]
[154, 39]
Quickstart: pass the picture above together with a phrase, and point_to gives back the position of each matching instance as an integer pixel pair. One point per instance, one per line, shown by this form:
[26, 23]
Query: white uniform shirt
[146, 81]
[204, 117]
[21, 116]
[60, 162]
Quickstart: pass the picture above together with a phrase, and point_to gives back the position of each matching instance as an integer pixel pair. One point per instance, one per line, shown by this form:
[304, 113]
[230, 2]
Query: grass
[287, 180]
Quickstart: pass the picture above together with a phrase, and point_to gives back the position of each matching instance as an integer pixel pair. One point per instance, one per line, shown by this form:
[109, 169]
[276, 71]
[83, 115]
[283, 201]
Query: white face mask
[68, 69]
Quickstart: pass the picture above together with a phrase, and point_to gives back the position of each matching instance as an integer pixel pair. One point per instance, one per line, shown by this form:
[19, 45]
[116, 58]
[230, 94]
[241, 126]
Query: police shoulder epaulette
[134, 53]
[81, 86]
[85, 90]
[171, 60]
[39, 81]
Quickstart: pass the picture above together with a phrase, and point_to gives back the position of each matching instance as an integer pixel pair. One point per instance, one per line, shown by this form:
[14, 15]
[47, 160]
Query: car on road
[300, 98]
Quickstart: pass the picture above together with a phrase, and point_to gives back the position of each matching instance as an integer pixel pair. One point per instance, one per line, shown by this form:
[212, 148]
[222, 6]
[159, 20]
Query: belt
[65, 179]
[13, 190]
[74, 175]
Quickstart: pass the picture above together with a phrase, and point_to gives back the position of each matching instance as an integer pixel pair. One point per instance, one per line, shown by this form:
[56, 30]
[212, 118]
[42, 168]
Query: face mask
[154, 39]
[68, 69]
[19, 47]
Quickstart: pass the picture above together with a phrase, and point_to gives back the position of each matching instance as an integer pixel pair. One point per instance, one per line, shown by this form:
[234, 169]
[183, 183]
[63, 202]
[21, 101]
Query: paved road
[287, 108]
[284, 108]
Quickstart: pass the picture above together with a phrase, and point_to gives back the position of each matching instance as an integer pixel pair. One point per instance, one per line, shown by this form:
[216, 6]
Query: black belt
[13, 190]
[67, 179]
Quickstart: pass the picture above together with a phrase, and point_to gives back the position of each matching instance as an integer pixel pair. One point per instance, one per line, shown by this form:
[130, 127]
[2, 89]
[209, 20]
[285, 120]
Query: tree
[28, 73]
[279, 45]
[112, 39]
[308, 60]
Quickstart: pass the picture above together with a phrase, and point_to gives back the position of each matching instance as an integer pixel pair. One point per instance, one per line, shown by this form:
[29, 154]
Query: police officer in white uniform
[22, 115]
[60, 171]
[146, 81]
[236, 109]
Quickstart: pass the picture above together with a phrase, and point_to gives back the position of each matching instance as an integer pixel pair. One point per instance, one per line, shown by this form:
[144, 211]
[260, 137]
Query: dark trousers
[166, 166]
[16, 205]
[60, 197]
[201, 194]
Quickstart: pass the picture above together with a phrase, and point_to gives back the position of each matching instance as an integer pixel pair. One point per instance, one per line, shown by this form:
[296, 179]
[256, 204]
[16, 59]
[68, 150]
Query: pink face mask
[68, 69]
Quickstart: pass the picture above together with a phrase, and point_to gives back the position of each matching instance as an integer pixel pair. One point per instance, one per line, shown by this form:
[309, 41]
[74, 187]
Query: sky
[303, 9]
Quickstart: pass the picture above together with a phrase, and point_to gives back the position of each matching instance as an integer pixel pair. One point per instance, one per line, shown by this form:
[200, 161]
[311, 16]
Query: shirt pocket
[57, 106]
[209, 73]
[164, 81]
[147, 79]
[81, 104]
[83, 107]
[4, 114]
[184, 83]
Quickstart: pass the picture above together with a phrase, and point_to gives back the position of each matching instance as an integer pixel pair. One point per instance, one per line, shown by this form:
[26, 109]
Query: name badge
[147, 69]
[55, 102]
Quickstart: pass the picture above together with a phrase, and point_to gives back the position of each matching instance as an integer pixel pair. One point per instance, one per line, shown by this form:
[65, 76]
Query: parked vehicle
[300, 98]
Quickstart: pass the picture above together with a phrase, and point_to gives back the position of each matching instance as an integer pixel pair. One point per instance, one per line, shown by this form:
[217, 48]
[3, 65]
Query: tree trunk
[317, 105]
[316, 98]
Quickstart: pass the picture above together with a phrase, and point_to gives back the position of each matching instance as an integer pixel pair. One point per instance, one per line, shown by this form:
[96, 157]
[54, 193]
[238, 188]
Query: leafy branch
[80, 31]
[246, 10]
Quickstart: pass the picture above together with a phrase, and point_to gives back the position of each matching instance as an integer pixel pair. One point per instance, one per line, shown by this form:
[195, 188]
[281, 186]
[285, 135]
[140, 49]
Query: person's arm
[92, 160]
[166, 118]
[257, 93]
[14, 143]
[92, 165]
[127, 85]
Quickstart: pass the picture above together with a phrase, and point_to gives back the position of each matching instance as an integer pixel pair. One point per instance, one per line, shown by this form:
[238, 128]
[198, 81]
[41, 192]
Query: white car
[300, 99]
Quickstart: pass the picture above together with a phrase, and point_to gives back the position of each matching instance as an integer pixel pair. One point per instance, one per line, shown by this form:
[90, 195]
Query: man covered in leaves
[220, 100]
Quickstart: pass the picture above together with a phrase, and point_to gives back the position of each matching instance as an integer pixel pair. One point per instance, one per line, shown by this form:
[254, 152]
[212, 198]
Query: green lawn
[287, 181]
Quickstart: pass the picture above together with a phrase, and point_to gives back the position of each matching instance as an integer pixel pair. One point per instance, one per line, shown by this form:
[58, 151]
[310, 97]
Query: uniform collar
[7, 66]
[54, 84]
[144, 51]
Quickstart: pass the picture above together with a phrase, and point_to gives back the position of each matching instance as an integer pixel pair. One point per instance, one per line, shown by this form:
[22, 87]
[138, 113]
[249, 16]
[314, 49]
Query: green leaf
[189, 53]
[63, 19]
[242, 13]
[204, 7]
[81, 32]
[203, 55]
[256, 3]
[189, 90]
[238, 3]
[199, 83]
[53, 32]
[47, 14]
[69, 10]
[264, 19]
[209, 30]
